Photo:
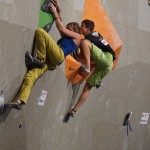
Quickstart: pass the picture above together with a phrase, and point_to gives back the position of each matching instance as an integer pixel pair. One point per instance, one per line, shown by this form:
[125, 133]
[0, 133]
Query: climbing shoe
[32, 62]
[99, 85]
[85, 69]
[28, 59]
[37, 63]
[14, 105]
[72, 113]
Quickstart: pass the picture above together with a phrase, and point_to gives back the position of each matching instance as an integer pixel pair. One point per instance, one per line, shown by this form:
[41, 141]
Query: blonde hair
[73, 26]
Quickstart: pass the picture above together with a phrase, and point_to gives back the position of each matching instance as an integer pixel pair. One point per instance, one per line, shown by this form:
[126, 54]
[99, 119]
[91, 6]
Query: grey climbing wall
[98, 124]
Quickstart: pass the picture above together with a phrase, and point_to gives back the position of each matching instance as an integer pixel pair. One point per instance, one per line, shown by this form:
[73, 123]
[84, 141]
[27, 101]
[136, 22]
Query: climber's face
[84, 30]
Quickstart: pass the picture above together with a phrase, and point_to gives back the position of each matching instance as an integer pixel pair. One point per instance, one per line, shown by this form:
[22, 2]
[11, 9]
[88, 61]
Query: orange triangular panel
[72, 71]
[72, 67]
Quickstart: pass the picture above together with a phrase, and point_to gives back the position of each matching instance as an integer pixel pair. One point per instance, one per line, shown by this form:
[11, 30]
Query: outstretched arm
[61, 28]
[57, 5]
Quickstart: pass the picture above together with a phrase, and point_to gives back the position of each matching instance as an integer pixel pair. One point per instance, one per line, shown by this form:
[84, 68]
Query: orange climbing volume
[73, 71]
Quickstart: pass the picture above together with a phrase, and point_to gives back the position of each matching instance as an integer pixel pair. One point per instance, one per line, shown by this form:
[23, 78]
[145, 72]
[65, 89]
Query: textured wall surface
[98, 124]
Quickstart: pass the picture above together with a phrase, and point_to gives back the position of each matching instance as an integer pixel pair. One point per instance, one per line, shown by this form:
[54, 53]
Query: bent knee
[86, 43]
[39, 31]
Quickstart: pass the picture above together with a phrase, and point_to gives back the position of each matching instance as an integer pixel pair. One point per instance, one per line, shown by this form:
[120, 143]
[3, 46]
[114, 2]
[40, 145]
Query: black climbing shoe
[14, 105]
[99, 85]
[28, 59]
[32, 62]
[37, 63]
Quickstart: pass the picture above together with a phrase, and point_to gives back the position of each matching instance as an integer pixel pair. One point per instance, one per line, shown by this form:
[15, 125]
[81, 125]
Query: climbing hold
[45, 6]
[45, 18]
